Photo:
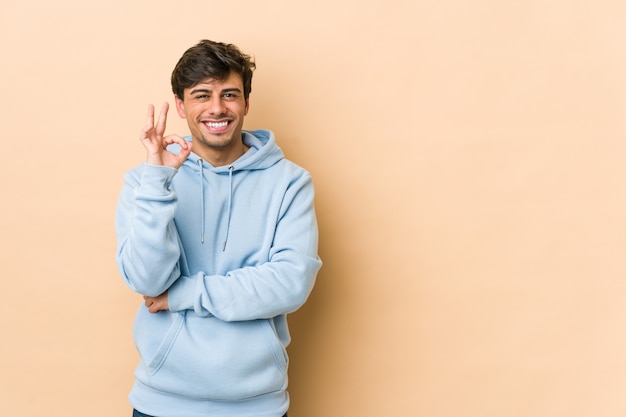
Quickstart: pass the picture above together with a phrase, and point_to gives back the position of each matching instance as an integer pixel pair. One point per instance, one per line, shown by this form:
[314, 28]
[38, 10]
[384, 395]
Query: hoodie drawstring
[201, 200]
[230, 198]
[202, 203]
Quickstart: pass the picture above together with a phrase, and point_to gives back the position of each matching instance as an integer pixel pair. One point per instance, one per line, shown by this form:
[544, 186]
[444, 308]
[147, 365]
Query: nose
[216, 105]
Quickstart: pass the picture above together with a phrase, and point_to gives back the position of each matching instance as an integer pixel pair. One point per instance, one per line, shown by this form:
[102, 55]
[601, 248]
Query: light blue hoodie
[236, 248]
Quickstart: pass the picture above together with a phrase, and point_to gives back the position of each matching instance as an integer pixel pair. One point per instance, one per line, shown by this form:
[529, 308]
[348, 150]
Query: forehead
[212, 84]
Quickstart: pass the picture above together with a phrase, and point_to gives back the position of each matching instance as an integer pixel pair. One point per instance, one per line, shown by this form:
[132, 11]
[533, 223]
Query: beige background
[468, 158]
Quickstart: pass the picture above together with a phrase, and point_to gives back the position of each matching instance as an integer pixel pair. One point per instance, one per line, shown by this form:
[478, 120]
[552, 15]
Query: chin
[218, 143]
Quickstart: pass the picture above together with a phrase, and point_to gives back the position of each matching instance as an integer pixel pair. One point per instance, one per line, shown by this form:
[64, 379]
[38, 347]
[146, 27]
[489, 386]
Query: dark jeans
[138, 414]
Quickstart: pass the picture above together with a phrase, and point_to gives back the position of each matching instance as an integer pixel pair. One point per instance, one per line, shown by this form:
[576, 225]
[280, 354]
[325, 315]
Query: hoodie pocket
[154, 336]
[206, 358]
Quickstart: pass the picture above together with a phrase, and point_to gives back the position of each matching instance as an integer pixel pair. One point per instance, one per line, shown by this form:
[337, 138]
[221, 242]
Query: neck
[221, 156]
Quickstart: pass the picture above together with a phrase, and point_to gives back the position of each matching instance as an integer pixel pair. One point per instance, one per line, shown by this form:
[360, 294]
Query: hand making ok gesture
[156, 144]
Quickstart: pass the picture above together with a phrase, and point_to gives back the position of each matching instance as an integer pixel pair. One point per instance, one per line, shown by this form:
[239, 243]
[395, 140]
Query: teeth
[217, 125]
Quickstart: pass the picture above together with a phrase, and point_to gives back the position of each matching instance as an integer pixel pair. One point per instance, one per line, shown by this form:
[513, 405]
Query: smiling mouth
[217, 126]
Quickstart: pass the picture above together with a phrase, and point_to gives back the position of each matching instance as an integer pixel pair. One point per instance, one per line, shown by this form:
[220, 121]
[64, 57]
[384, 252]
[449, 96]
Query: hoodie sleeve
[279, 286]
[148, 247]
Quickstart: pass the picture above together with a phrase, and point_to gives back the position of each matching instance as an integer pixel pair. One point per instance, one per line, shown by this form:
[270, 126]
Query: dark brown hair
[214, 60]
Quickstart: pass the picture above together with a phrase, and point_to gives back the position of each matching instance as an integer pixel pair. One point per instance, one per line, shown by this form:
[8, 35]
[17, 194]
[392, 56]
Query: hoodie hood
[263, 153]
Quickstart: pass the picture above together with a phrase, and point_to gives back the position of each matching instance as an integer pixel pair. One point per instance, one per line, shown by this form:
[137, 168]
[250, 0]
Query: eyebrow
[206, 90]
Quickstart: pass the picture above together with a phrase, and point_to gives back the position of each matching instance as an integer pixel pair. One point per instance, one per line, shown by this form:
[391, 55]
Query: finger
[145, 132]
[150, 117]
[170, 139]
[184, 152]
[160, 126]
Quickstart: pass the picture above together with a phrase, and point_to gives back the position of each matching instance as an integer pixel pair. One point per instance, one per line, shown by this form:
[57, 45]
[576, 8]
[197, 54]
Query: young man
[218, 232]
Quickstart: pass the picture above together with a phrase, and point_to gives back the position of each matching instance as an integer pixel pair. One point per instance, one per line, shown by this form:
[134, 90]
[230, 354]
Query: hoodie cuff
[180, 295]
[156, 180]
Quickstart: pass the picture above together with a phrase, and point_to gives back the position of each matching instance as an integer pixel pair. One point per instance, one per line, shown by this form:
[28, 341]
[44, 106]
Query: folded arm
[279, 286]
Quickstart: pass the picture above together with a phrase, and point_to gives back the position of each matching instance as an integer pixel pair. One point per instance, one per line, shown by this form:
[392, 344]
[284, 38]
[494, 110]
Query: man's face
[214, 111]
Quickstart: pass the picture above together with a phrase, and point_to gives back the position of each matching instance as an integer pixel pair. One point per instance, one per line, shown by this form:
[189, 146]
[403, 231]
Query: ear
[180, 107]
[247, 106]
